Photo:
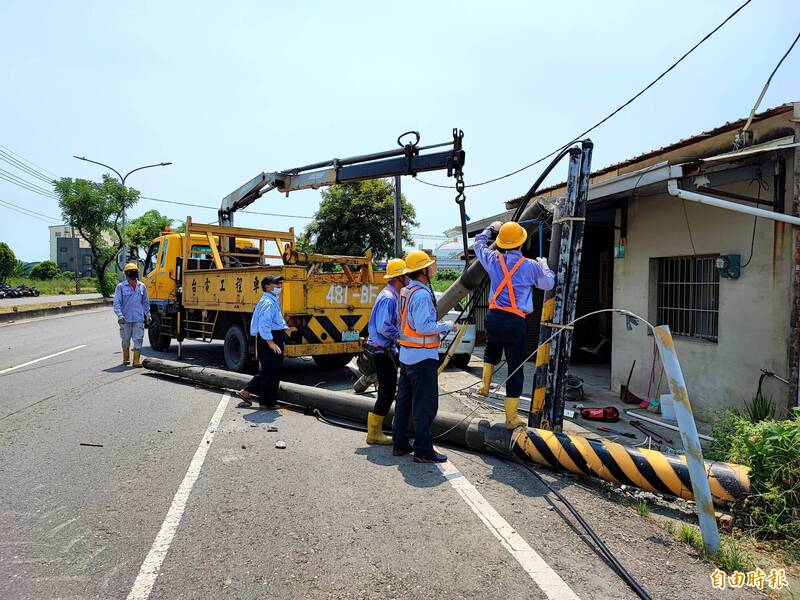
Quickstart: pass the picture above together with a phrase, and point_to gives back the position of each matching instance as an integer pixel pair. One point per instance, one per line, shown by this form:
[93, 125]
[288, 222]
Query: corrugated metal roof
[727, 127]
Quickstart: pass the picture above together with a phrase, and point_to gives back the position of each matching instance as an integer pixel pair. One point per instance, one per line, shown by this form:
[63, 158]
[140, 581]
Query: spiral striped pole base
[648, 470]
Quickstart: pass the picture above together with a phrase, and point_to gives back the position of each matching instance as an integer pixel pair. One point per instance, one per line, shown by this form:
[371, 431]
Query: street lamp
[122, 179]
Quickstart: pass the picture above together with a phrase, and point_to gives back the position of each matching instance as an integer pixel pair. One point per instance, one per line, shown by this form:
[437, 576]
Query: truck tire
[236, 349]
[332, 361]
[158, 340]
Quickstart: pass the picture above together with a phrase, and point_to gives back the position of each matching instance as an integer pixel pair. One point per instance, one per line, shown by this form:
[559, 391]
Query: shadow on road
[415, 474]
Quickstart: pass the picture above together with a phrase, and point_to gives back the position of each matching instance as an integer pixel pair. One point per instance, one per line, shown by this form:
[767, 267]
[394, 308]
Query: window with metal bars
[687, 296]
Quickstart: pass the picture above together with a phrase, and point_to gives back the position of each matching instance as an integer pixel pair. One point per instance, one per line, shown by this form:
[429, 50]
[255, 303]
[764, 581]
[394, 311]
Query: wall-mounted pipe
[674, 190]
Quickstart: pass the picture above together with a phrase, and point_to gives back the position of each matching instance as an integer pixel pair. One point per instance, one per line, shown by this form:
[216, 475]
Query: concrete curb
[33, 311]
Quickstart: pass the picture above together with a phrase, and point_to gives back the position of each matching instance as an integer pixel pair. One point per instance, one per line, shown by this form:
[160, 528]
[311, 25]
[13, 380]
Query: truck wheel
[236, 349]
[158, 340]
[332, 361]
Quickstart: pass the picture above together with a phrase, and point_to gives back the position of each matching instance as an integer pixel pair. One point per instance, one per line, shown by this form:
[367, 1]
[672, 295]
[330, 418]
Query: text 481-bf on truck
[201, 291]
[204, 283]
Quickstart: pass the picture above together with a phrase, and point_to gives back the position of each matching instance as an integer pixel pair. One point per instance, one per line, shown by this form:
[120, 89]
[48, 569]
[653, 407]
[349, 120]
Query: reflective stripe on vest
[408, 336]
[507, 275]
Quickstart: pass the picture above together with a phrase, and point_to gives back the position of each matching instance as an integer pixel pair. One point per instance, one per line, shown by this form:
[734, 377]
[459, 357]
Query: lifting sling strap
[408, 336]
[506, 282]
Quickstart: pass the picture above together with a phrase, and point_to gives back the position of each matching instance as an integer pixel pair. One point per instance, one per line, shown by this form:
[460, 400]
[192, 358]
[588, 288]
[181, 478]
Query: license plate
[350, 336]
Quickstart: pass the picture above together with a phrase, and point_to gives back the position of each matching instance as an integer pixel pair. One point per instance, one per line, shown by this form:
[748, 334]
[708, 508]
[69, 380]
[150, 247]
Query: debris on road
[280, 444]
[91, 445]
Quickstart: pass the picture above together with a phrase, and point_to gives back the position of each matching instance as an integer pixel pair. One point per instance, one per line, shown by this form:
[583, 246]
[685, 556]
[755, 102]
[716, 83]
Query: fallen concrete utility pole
[646, 469]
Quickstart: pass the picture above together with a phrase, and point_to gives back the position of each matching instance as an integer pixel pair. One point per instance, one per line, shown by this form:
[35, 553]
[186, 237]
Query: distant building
[68, 249]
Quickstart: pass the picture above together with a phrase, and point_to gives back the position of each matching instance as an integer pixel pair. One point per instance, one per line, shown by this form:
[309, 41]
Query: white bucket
[667, 407]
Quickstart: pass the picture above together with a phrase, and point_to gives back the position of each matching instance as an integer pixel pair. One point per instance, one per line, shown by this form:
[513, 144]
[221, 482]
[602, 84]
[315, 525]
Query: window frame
[685, 295]
[149, 263]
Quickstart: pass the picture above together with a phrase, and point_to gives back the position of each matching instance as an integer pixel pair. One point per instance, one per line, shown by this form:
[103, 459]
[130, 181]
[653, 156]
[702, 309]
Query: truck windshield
[152, 257]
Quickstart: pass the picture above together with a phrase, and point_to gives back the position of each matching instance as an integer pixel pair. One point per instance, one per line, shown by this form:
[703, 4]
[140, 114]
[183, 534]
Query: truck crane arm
[408, 159]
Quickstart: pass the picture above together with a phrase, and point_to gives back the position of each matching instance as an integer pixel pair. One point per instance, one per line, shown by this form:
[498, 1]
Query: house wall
[754, 310]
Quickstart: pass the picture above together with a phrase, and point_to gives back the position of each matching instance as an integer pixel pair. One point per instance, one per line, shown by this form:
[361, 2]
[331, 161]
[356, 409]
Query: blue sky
[225, 92]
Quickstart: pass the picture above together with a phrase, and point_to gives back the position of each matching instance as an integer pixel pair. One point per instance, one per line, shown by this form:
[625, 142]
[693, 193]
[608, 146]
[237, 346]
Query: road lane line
[542, 574]
[30, 362]
[152, 563]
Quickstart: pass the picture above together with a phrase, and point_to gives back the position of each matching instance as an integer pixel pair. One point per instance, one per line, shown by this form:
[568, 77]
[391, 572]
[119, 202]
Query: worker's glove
[121, 320]
[495, 227]
[543, 263]
[147, 320]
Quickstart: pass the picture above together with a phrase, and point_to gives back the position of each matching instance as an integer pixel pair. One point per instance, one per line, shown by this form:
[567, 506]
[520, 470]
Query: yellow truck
[205, 282]
[199, 290]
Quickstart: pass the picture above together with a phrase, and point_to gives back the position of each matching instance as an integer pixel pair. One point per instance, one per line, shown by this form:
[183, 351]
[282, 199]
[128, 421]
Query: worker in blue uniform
[384, 329]
[418, 389]
[132, 308]
[513, 278]
[268, 325]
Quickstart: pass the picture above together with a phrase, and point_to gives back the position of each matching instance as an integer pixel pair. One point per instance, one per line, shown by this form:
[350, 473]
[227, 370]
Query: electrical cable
[7, 158]
[601, 546]
[603, 120]
[766, 85]
[26, 185]
[30, 162]
[27, 212]
[761, 185]
[214, 208]
[688, 227]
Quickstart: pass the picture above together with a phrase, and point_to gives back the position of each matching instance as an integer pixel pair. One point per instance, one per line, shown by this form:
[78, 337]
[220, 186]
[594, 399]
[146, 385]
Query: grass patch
[441, 285]
[732, 557]
[690, 535]
[642, 508]
[58, 285]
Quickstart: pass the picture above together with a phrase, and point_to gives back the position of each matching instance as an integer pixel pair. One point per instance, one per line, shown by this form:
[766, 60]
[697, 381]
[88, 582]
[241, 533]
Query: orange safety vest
[507, 282]
[408, 335]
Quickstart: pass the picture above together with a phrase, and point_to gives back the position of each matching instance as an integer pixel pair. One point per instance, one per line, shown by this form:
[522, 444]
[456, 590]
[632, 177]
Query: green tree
[141, 230]
[95, 210]
[8, 262]
[355, 216]
[46, 269]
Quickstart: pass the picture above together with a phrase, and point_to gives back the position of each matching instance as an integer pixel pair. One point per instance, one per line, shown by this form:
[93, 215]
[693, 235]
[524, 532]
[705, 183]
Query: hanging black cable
[618, 109]
[601, 546]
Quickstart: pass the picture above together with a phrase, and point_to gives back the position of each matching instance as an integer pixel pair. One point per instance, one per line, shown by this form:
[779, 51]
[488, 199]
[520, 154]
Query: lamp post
[122, 178]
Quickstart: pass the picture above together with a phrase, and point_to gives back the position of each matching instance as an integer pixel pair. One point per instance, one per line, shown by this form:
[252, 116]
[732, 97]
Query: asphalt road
[117, 482]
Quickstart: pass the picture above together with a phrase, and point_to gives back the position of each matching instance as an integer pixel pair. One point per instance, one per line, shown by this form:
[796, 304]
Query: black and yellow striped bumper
[645, 469]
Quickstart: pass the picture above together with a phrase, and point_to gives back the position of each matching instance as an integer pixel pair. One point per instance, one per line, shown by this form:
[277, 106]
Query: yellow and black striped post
[648, 470]
[543, 376]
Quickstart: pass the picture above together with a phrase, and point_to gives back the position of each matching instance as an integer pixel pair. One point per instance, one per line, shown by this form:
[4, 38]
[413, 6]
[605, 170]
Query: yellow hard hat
[395, 268]
[511, 235]
[130, 267]
[417, 260]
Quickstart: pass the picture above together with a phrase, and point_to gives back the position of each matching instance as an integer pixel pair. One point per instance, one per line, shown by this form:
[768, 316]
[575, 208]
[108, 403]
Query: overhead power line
[7, 158]
[25, 184]
[28, 212]
[29, 162]
[610, 115]
[766, 85]
[214, 208]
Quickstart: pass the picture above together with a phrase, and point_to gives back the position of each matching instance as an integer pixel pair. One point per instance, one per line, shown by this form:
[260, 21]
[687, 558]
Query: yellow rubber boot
[137, 358]
[513, 420]
[375, 433]
[486, 379]
[126, 356]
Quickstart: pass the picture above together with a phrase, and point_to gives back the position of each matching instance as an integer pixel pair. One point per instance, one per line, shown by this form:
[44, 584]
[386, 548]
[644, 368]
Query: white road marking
[542, 574]
[30, 362]
[152, 563]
